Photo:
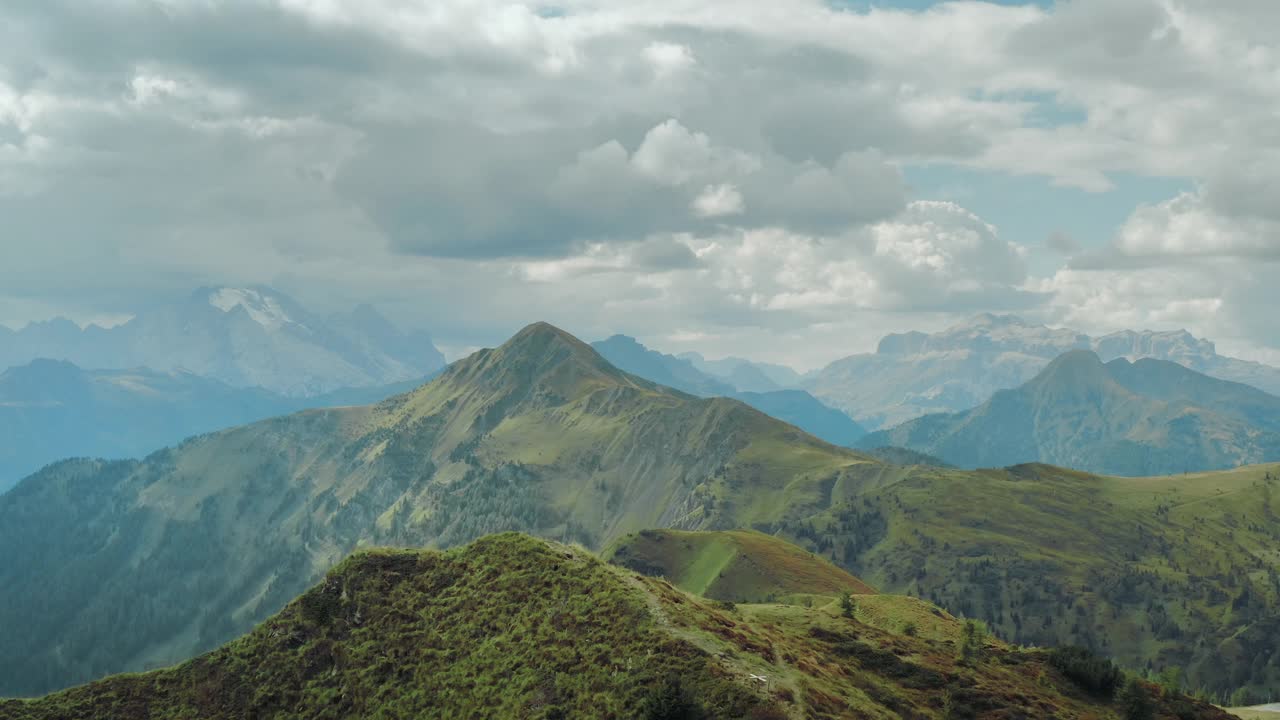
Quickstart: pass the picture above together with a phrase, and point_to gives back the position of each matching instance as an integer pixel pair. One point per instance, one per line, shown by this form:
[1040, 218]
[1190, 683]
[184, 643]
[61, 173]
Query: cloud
[1178, 264]
[718, 201]
[1062, 243]
[735, 166]
[668, 58]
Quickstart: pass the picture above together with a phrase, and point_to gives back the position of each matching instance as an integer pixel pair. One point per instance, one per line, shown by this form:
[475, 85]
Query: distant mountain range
[794, 406]
[746, 375]
[244, 337]
[115, 566]
[1150, 417]
[51, 410]
[913, 374]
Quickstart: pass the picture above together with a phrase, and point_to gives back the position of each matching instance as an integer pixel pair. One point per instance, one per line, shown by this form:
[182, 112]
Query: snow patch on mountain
[263, 309]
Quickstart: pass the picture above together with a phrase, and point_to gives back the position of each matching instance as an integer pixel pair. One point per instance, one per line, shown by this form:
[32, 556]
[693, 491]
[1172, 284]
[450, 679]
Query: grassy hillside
[124, 566]
[512, 627]
[112, 567]
[1157, 572]
[1145, 418]
[733, 565]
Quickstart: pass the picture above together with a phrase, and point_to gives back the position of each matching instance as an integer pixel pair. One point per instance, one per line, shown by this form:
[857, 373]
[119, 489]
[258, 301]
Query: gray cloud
[733, 170]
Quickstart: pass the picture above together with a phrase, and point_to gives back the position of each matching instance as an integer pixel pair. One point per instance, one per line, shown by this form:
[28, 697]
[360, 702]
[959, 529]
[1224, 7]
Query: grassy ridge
[1157, 572]
[512, 627]
[733, 565]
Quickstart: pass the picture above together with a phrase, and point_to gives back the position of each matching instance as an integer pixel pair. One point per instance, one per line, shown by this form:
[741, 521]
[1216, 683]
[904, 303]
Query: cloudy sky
[785, 181]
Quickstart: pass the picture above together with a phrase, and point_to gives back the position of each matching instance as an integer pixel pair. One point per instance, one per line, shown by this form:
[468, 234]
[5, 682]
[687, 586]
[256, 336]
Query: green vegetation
[1096, 675]
[130, 566]
[513, 627]
[736, 565]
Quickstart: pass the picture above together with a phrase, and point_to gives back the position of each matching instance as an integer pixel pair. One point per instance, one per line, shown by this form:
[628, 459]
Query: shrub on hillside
[671, 701]
[1094, 674]
[1135, 704]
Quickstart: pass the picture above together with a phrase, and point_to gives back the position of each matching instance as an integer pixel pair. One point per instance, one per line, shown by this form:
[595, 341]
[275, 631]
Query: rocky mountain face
[794, 406]
[117, 566]
[913, 374]
[51, 410]
[1150, 417]
[244, 337]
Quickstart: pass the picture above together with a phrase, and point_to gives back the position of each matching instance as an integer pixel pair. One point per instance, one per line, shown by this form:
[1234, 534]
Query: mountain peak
[263, 305]
[1074, 366]
[544, 332]
[541, 361]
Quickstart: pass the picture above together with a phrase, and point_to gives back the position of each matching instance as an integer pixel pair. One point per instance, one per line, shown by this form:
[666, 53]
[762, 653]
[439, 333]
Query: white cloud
[671, 154]
[718, 201]
[470, 154]
[668, 59]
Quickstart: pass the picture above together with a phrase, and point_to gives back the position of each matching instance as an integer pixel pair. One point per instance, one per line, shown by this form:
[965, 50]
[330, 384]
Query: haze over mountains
[794, 406]
[120, 566]
[51, 410]
[913, 374]
[1149, 417]
[244, 337]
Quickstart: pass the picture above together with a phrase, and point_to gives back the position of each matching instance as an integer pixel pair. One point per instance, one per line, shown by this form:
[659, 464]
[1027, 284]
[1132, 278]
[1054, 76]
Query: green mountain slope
[512, 627]
[733, 565]
[1146, 418]
[123, 566]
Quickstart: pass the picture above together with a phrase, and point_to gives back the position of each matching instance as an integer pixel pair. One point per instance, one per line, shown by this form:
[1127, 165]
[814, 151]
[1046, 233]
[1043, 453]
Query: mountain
[244, 337]
[733, 565]
[120, 566]
[540, 435]
[807, 413]
[746, 375]
[514, 627]
[794, 406]
[1151, 417]
[51, 410]
[913, 374]
[628, 354]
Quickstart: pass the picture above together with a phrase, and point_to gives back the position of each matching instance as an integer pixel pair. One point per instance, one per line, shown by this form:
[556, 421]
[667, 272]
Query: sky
[782, 181]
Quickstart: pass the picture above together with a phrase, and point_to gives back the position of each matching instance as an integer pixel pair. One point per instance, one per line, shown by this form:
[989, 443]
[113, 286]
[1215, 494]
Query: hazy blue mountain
[245, 337]
[807, 413]
[1150, 417]
[746, 375]
[626, 353]
[794, 406]
[913, 373]
[51, 410]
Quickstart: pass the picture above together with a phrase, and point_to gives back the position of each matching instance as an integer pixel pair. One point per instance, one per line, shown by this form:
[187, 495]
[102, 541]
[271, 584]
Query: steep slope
[50, 410]
[121, 566]
[540, 435]
[245, 337]
[516, 627]
[914, 374]
[794, 406]
[1146, 418]
[732, 565]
